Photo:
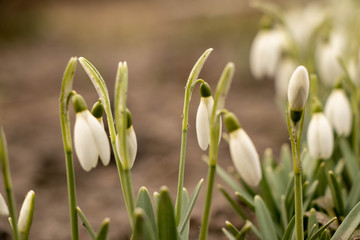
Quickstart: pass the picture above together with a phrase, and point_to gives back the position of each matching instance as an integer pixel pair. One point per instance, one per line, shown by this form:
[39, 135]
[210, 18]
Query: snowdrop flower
[4, 211]
[338, 111]
[26, 213]
[203, 117]
[320, 137]
[90, 138]
[243, 152]
[282, 77]
[327, 58]
[131, 142]
[298, 92]
[266, 51]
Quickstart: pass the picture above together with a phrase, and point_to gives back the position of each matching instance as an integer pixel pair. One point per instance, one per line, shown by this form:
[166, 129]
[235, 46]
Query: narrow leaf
[185, 203]
[103, 232]
[351, 164]
[289, 229]
[348, 226]
[336, 194]
[232, 228]
[235, 205]
[142, 228]
[244, 231]
[265, 221]
[228, 234]
[144, 202]
[354, 195]
[86, 223]
[166, 219]
[321, 230]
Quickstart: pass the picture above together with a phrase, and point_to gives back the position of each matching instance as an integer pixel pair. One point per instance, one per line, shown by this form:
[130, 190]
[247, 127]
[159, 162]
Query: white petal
[100, 138]
[25, 212]
[338, 111]
[85, 146]
[298, 90]
[320, 137]
[203, 125]
[131, 145]
[282, 78]
[4, 211]
[245, 157]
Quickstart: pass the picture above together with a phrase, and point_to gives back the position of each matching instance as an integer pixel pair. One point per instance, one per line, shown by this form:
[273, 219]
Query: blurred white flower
[4, 211]
[327, 55]
[282, 78]
[338, 112]
[131, 145]
[302, 23]
[245, 157]
[26, 213]
[266, 51]
[91, 141]
[298, 90]
[320, 137]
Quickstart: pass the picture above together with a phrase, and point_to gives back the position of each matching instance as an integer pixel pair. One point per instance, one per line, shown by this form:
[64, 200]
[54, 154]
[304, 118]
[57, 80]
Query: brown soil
[161, 41]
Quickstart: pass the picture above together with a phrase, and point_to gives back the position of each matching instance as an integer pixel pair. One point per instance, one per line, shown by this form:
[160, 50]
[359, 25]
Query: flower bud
[4, 211]
[26, 213]
[320, 137]
[298, 90]
[243, 152]
[97, 110]
[338, 111]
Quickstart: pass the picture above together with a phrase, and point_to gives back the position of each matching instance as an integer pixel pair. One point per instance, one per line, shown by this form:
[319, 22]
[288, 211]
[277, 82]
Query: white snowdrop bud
[203, 117]
[131, 141]
[320, 137]
[26, 213]
[90, 138]
[4, 211]
[243, 152]
[338, 111]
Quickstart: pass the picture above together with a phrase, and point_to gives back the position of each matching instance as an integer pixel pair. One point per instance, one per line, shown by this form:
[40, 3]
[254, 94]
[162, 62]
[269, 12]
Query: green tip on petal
[97, 110]
[79, 103]
[129, 118]
[205, 90]
[231, 122]
[266, 22]
[316, 105]
[338, 84]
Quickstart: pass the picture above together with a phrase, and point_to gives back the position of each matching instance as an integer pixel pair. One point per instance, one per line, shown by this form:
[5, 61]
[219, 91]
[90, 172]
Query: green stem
[8, 184]
[208, 200]
[65, 94]
[185, 115]
[298, 207]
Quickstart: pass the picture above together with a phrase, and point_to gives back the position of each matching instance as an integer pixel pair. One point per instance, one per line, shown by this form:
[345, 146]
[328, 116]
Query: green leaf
[310, 194]
[244, 231]
[142, 228]
[166, 218]
[144, 202]
[336, 194]
[86, 223]
[268, 196]
[321, 230]
[285, 156]
[351, 164]
[243, 195]
[354, 195]
[312, 220]
[325, 235]
[348, 226]
[185, 203]
[232, 228]
[235, 205]
[289, 229]
[265, 221]
[185, 220]
[223, 87]
[228, 234]
[103, 232]
[156, 200]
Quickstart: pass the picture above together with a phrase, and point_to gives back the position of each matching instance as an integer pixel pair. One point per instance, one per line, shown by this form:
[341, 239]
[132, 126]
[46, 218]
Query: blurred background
[160, 40]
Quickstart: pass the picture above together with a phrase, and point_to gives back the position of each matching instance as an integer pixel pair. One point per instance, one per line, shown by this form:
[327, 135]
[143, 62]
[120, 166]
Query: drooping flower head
[131, 142]
[203, 117]
[320, 138]
[338, 111]
[90, 138]
[98, 111]
[298, 92]
[243, 152]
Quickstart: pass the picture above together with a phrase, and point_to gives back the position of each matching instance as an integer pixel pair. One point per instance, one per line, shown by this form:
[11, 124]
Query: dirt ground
[160, 40]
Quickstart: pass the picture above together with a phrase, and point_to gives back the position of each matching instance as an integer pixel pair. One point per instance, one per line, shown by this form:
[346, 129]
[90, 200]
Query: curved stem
[185, 115]
[66, 92]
